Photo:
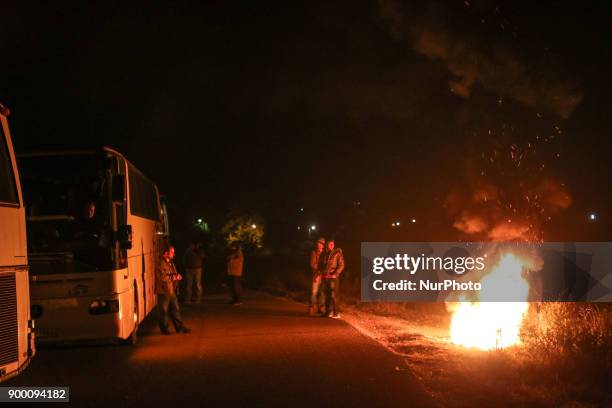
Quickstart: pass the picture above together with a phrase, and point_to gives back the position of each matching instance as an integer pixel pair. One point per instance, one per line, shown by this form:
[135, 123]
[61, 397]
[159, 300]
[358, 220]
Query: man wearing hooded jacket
[333, 265]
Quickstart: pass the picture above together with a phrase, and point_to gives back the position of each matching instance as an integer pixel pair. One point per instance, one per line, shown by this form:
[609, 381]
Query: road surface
[264, 352]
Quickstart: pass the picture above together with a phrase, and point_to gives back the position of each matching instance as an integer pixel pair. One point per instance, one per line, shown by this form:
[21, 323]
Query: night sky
[410, 109]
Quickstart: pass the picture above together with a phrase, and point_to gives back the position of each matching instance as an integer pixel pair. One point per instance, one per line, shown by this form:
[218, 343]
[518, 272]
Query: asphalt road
[264, 352]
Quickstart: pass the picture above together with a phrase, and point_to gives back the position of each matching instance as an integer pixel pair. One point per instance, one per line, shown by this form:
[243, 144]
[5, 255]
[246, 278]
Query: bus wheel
[133, 338]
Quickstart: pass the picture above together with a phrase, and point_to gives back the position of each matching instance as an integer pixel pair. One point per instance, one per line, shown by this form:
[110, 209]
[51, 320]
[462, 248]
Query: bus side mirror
[124, 236]
[118, 189]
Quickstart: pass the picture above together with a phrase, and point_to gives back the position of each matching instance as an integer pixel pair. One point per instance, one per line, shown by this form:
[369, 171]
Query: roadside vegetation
[564, 359]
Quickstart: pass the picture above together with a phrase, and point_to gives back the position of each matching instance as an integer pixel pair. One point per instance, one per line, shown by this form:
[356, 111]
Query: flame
[491, 325]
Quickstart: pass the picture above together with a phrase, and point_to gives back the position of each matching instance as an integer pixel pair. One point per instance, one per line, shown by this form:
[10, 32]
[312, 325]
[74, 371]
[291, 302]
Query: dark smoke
[489, 212]
[492, 66]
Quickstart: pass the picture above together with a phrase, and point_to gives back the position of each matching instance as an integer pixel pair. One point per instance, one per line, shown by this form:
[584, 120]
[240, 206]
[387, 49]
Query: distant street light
[201, 225]
[253, 226]
[592, 217]
[311, 229]
[414, 220]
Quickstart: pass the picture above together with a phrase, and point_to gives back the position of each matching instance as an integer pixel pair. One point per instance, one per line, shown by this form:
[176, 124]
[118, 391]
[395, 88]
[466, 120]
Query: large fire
[491, 325]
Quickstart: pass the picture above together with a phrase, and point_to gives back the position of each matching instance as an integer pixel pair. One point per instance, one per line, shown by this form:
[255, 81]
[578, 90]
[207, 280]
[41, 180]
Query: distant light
[253, 226]
[302, 209]
[199, 220]
[414, 220]
[397, 223]
[299, 228]
[313, 227]
[593, 217]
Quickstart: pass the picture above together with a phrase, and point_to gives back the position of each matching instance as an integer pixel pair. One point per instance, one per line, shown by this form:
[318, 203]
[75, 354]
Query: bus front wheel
[133, 337]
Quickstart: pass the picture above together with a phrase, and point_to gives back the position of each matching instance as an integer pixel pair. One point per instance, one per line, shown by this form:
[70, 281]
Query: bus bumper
[14, 369]
[71, 319]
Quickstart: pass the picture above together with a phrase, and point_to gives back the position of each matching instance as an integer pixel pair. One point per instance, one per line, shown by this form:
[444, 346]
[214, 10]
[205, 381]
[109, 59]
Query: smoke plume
[492, 66]
[488, 212]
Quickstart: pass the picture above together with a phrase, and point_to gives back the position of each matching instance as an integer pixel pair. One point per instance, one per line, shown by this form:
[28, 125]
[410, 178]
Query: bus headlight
[101, 306]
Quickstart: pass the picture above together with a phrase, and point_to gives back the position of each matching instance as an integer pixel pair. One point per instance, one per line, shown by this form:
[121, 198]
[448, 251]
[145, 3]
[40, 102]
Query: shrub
[575, 334]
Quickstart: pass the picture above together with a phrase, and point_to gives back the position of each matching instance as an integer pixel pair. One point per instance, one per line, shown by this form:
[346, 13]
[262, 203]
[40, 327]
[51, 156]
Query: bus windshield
[66, 198]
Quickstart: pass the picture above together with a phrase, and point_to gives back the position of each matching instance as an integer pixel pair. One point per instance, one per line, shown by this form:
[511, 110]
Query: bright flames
[491, 325]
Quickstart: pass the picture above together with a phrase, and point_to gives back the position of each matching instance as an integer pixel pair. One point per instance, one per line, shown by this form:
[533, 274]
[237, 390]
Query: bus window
[8, 189]
[143, 197]
[67, 208]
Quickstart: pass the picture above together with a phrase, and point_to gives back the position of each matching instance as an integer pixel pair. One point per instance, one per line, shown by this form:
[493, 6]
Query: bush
[568, 329]
[569, 341]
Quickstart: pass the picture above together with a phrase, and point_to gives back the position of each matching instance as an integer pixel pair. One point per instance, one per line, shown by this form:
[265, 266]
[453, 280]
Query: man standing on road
[235, 263]
[165, 278]
[193, 273]
[315, 267]
[333, 265]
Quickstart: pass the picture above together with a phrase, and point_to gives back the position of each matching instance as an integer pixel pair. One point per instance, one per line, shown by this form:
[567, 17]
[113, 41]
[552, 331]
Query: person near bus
[165, 286]
[316, 294]
[333, 265]
[193, 273]
[235, 263]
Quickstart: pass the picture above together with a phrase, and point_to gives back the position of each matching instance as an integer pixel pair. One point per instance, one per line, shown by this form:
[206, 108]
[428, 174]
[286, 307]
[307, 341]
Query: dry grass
[573, 341]
[564, 359]
[570, 329]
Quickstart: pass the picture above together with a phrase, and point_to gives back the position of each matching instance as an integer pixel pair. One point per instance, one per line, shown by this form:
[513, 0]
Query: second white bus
[95, 230]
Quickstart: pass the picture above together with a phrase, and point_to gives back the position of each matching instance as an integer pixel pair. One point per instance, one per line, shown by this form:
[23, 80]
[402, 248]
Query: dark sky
[272, 106]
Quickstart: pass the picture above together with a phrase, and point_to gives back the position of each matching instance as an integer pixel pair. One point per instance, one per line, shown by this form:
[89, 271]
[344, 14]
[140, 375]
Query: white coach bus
[16, 336]
[95, 231]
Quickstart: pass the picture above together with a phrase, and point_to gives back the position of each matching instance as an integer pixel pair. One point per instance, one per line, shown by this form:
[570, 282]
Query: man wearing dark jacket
[315, 269]
[193, 273]
[166, 278]
[333, 265]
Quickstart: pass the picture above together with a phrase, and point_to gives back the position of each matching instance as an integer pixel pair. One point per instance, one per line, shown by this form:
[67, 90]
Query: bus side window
[8, 188]
[143, 196]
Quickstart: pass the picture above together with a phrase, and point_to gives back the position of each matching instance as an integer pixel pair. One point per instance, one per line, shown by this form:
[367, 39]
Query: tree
[244, 229]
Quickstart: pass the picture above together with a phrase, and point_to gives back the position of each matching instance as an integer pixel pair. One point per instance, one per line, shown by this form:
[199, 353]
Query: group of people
[326, 265]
